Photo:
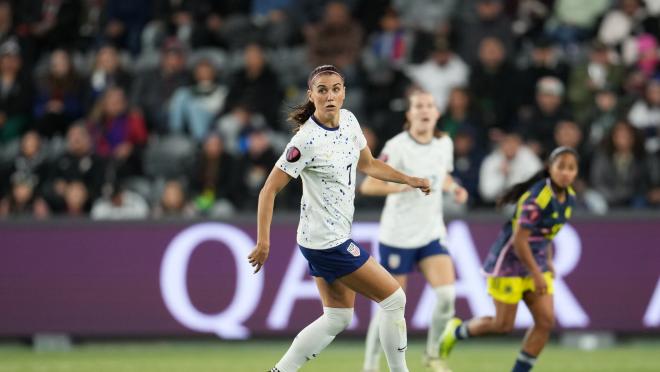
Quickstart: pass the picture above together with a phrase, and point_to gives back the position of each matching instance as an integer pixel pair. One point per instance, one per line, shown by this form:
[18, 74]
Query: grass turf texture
[342, 355]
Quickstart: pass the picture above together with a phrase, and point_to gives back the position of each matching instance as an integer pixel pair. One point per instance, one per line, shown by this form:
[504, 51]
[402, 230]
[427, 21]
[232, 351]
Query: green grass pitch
[342, 355]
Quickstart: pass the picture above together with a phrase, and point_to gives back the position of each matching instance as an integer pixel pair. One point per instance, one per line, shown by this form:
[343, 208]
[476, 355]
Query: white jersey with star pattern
[411, 219]
[326, 159]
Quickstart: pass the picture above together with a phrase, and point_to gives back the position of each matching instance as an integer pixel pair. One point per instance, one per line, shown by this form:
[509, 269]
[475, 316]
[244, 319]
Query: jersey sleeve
[297, 155]
[529, 213]
[360, 139]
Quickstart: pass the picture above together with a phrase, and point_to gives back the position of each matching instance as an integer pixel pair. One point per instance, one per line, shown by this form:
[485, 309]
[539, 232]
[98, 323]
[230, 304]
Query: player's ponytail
[301, 113]
[515, 192]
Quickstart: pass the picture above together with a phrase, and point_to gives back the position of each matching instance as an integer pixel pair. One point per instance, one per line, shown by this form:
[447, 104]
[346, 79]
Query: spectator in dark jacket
[58, 100]
[15, 93]
[257, 87]
[619, 168]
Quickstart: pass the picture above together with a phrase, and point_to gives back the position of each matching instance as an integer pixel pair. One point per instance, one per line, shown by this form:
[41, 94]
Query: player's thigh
[335, 294]
[505, 315]
[437, 269]
[402, 279]
[371, 280]
[541, 307]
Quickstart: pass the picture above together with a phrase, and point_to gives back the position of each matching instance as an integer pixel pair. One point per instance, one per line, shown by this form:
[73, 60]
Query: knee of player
[338, 319]
[445, 295]
[546, 322]
[396, 301]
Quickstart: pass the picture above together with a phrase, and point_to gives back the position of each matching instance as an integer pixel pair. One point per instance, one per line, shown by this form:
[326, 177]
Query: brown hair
[437, 133]
[301, 113]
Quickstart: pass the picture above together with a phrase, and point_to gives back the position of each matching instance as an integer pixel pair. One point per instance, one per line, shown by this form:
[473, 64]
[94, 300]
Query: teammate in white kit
[412, 229]
[326, 150]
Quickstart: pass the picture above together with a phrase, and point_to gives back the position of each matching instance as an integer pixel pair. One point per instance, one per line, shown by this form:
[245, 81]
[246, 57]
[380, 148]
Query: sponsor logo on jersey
[292, 154]
[353, 249]
[394, 260]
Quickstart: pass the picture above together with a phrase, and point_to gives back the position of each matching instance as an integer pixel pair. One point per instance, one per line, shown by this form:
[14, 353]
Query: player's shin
[442, 313]
[372, 345]
[315, 337]
[392, 331]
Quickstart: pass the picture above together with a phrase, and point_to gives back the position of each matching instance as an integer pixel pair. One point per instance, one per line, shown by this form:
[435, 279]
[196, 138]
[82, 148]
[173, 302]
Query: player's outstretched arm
[375, 187]
[274, 184]
[379, 170]
[459, 193]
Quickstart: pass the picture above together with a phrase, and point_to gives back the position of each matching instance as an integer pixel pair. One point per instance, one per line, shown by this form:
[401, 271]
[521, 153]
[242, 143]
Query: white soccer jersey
[411, 219]
[326, 159]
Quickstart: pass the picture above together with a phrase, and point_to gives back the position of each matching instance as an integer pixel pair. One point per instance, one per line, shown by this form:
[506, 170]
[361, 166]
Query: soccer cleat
[434, 364]
[449, 337]
[274, 369]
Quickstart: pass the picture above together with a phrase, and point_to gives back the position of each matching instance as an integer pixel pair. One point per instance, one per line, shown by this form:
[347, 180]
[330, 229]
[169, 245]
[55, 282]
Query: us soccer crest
[394, 260]
[353, 249]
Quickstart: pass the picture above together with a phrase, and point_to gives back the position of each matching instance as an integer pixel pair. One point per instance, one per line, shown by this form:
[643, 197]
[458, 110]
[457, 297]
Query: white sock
[372, 347]
[442, 313]
[315, 337]
[392, 331]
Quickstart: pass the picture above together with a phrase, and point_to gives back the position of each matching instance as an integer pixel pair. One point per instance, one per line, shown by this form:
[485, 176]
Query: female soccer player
[411, 225]
[327, 148]
[519, 264]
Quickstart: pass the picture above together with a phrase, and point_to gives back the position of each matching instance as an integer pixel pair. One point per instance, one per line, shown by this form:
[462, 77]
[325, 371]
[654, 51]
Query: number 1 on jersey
[348, 167]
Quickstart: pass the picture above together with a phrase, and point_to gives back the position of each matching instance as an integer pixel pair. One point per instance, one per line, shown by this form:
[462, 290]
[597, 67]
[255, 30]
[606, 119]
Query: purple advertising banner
[141, 279]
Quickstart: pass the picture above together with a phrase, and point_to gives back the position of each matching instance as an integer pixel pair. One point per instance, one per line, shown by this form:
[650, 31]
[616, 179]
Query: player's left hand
[460, 195]
[420, 183]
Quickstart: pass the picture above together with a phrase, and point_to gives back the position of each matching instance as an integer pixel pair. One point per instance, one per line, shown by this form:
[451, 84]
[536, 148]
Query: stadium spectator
[641, 53]
[173, 202]
[76, 200]
[491, 22]
[335, 40]
[59, 96]
[430, 16]
[78, 163]
[545, 60]
[120, 204]
[510, 163]
[391, 43]
[153, 89]
[494, 85]
[118, 133]
[645, 115]
[255, 165]
[30, 164]
[193, 108]
[468, 155]
[125, 20]
[539, 126]
[23, 200]
[235, 126]
[604, 113]
[215, 180]
[15, 93]
[619, 167]
[459, 115]
[106, 72]
[621, 22]
[573, 21]
[440, 73]
[587, 78]
[257, 86]
[50, 24]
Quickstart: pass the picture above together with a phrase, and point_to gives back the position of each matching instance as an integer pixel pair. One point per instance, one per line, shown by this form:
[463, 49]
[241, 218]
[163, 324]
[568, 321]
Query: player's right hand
[258, 256]
[420, 183]
[540, 286]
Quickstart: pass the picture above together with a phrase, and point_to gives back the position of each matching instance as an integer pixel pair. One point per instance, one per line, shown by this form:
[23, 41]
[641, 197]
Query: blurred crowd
[155, 108]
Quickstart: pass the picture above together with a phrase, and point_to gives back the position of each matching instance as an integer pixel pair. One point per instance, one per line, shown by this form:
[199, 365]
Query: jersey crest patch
[292, 154]
[353, 250]
[394, 260]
